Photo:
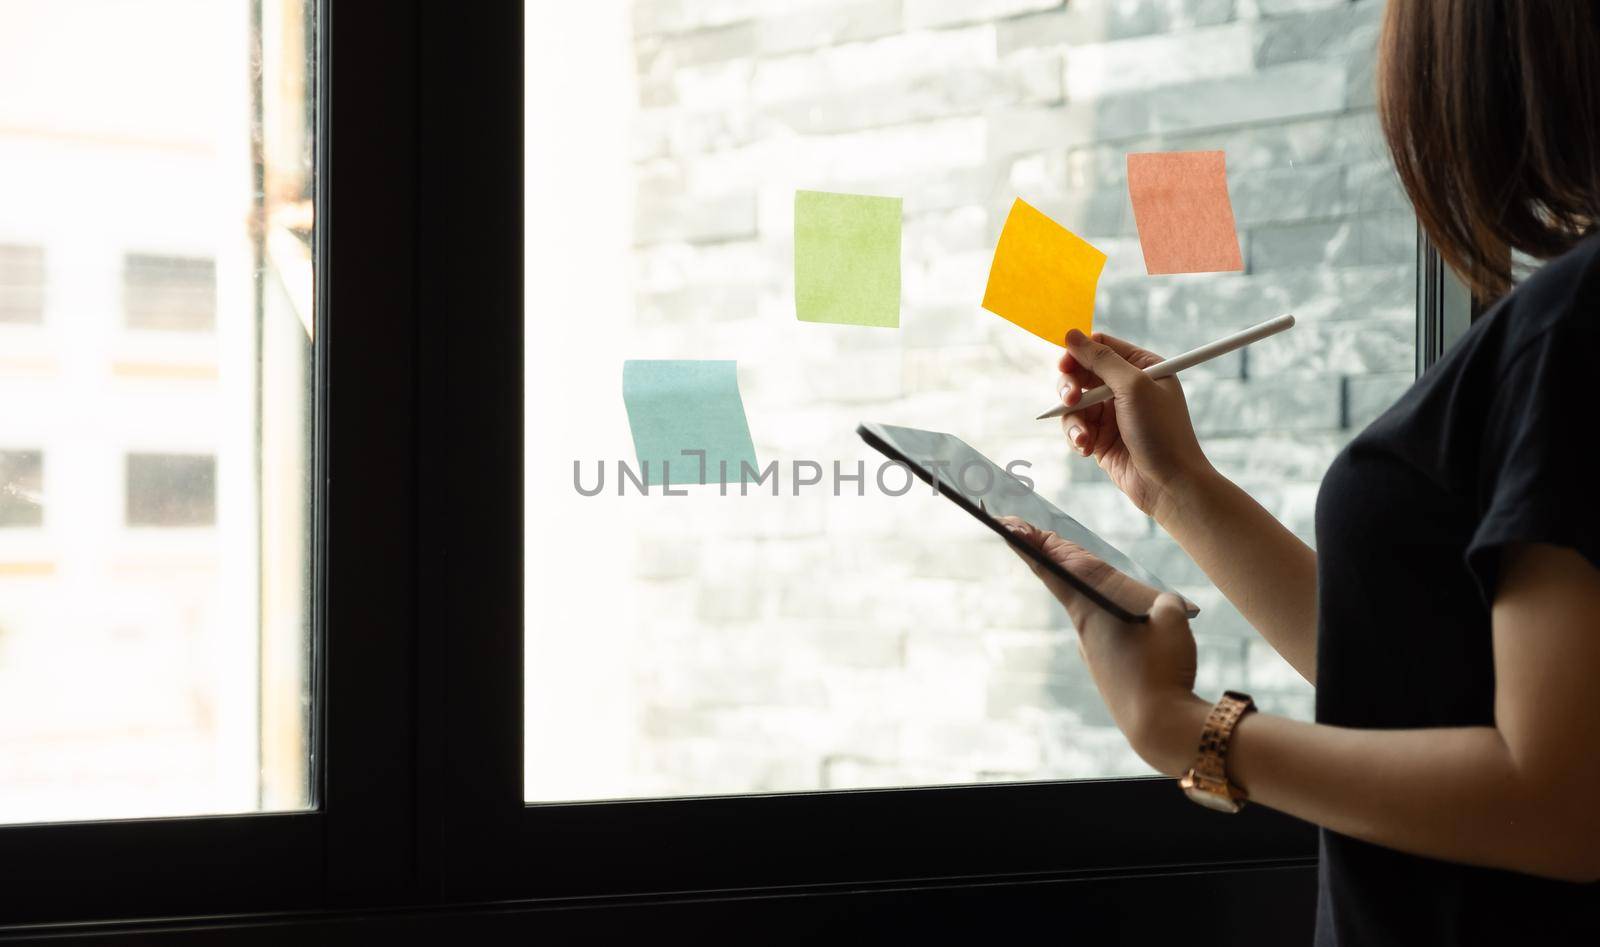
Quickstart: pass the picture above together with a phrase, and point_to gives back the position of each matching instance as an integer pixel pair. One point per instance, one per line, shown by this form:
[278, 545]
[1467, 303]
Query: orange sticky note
[1044, 276]
[1181, 207]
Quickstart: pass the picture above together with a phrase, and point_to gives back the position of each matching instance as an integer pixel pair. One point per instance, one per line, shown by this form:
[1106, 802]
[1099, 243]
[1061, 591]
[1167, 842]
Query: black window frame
[419, 532]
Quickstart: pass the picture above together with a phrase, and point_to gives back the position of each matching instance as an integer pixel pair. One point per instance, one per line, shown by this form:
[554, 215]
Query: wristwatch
[1206, 782]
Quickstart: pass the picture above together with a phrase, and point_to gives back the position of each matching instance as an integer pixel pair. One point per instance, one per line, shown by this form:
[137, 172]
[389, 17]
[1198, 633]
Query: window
[21, 488]
[172, 490]
[156, 657]
[322, 693]
[821, 639]
[21, 285]
[173, 293]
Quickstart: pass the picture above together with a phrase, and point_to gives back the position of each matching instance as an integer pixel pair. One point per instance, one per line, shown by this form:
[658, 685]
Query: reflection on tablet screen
[989, 492]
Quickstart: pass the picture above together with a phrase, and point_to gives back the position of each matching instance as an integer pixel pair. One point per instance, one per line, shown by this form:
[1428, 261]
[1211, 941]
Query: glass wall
[835, 635]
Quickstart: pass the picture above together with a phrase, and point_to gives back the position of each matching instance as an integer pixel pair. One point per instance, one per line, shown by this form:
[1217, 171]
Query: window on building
[819, 641]
[172, 490]
[157, 632]
[21, 488]
[22, 282]
[169, 292]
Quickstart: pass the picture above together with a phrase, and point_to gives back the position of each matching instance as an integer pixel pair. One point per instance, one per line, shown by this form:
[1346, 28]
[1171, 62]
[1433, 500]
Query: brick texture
[817, 642]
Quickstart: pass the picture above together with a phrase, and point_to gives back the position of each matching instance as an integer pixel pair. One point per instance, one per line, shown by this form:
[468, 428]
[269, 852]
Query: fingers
[1106, 362]
[1168, 608]
[1104, 434]
[1092, 430]
[1076, 435]
[1078, 427]
[1038, 539]
[1077, 374]
[1020, 528]
[1068, 390]
[1082, 427]
[1041, 539]
[1072, 384]
[1068, 555]
[1135, 356]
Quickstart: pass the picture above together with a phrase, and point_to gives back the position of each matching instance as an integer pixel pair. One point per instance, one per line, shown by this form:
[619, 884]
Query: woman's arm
[1144, 441]
[1519, 795]
[1266, 571]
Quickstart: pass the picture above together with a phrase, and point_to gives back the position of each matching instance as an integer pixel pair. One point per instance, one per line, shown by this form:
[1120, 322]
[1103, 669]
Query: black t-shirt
[1493, 445]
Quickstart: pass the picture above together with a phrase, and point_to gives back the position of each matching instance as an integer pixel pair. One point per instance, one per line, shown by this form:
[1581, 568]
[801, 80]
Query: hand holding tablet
[1081, 560]
[1115, 585]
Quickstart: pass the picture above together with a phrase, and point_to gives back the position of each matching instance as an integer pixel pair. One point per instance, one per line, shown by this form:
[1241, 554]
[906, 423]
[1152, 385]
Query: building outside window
[22, 283]
[169, 293]
[171, 490]
[21, 488]
[154, 368]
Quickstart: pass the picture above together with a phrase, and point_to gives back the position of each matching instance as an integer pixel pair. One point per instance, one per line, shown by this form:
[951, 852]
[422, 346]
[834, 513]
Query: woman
[1450, 616]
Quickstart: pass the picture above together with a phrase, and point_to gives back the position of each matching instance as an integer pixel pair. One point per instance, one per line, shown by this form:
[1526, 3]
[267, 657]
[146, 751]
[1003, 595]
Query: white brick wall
[805, 642]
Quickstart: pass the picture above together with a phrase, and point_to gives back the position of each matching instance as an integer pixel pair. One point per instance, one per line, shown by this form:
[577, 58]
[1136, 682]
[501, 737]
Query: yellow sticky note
[1044, 276]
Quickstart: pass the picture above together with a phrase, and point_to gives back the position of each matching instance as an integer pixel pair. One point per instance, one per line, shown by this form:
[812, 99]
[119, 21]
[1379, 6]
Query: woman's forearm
[1450, 793]
[1266, 571]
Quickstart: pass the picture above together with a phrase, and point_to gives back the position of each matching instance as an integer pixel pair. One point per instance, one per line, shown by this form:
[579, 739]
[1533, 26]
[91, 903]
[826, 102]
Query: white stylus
[1178, 363]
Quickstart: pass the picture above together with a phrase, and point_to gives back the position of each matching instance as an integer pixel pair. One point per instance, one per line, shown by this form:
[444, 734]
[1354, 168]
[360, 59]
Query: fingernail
[1075, 337]
[1075, 433]
[1012, 527]
[1065, 393]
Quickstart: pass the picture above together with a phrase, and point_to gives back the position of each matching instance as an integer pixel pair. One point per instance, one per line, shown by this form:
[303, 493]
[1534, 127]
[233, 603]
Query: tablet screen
[988, 492]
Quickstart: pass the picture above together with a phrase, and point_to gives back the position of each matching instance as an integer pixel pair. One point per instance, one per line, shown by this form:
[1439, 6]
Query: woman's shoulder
[1529, 350]
[1557, 304]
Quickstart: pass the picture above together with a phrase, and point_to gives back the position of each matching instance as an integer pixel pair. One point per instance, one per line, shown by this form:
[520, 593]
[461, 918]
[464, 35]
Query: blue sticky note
[676, 406]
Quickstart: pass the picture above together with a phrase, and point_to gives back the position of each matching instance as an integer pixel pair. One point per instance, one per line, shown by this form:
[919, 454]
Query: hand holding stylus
[1140, 435]
[1189, 359]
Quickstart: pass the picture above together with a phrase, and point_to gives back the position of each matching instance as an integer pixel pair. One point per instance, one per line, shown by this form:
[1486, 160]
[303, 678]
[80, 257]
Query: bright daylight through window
[155, 446]
[757, 225]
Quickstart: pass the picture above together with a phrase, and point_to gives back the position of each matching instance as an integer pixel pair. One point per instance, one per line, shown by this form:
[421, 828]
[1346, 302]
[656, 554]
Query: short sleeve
[1537, 478]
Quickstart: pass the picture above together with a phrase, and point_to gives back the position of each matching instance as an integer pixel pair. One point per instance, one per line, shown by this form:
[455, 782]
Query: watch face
[1211, 800]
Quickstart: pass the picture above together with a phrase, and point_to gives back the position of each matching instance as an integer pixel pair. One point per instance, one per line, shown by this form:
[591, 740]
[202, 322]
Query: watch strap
[1212, 763]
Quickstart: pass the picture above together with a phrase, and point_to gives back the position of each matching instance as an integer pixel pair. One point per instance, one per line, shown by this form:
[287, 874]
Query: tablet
[987, 491]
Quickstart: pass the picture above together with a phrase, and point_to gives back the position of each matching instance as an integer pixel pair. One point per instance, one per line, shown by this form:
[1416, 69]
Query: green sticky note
[847, 259]
[676, 406]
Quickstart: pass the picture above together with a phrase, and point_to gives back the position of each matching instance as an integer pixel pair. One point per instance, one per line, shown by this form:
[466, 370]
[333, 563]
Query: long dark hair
[1491, 109]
